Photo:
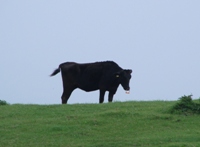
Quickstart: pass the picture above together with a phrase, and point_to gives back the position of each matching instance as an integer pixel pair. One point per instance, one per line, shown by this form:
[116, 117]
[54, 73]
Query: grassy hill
[118, 124]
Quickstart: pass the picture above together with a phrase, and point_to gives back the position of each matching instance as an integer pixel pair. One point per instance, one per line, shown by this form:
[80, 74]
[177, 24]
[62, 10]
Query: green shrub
[186, 106]
[2, 102]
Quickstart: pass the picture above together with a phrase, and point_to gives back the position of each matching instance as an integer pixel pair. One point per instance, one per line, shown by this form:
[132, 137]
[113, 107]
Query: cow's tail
[55, 71]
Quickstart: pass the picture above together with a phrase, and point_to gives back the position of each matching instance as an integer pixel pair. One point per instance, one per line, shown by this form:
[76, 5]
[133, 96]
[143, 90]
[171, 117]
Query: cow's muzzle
[127, 90]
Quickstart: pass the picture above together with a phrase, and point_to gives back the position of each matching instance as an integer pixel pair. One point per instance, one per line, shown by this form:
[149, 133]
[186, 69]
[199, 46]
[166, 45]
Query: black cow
[105, 76]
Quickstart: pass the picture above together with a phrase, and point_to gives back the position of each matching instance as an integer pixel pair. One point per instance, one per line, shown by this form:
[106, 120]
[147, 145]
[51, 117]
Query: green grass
[119, 124]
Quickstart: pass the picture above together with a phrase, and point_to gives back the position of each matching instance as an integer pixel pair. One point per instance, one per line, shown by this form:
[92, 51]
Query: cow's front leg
[101, 96]
[110, 97]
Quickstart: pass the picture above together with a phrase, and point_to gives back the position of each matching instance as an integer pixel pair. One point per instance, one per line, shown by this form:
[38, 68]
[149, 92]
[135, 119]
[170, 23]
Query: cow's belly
[88, 86]
[88, 89]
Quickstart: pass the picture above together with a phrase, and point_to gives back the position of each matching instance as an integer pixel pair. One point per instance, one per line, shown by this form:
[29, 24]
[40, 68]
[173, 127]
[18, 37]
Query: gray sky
[158, 40]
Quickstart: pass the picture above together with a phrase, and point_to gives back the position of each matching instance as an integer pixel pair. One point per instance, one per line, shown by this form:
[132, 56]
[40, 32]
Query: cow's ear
[128, 71]
[117, 75]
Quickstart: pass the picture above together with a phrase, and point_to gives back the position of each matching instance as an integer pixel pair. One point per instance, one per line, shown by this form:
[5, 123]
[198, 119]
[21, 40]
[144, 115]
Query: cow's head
[124, 77]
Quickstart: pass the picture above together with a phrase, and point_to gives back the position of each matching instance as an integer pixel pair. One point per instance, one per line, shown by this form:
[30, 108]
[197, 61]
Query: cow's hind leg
[65, 96]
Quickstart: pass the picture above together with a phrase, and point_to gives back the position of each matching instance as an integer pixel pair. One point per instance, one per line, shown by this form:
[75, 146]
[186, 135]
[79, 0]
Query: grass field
[119, 124]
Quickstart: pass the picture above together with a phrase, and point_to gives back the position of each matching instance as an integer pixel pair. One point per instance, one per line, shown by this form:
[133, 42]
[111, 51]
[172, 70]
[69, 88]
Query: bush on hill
[186, 106]
[2, 102]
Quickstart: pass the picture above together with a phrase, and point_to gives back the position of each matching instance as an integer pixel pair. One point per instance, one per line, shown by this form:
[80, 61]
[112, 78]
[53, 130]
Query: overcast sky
[158, 39]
